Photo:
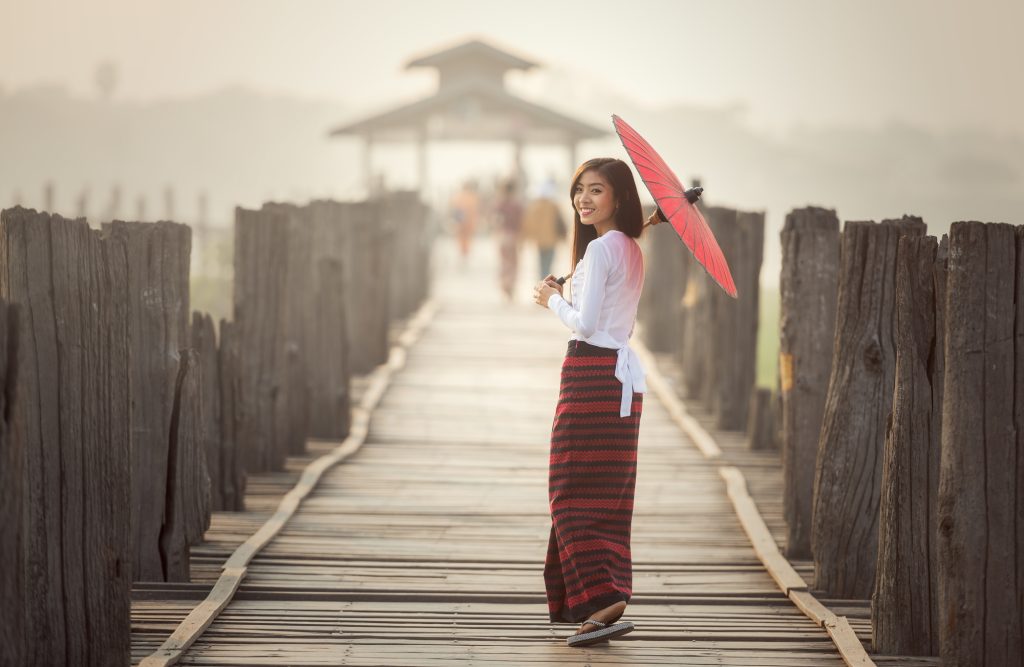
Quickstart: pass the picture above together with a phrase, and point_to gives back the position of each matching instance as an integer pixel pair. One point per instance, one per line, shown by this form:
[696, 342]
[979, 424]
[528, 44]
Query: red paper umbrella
[677, 204]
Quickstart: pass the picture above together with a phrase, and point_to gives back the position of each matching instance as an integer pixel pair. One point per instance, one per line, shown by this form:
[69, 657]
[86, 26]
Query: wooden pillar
[48, 197]
[696, 331]
[368, 240]
[848, 471]
[261, 256]
[330, 354]
[661, 309]
[761, 423]
[82, 204]
[12, 498]
[722, 222]
[904, 609]
[981, 476]
[204, 342]
[140, 208]
[158, 326]
[187, 511]
[734, 343]
[72, 422]
[292, 422]
[807, 317]
[231, 460]
[368, 164]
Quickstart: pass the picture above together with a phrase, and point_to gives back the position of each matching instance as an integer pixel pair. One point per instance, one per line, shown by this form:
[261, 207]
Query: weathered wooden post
[981, 476]
[406, 216]
[329, 354]
[158, 327]
[722, 222]
[330, 379]
[761, 426]
[12, 489]
[298, 308]
[807, 316]
[695, 347]
[661, 309]
[261, 256]
[904, 612]
[204, 342]
[844, 537]
[72, 424]
[232, 469]
[734, 333]
[368, 276]
[187, 512]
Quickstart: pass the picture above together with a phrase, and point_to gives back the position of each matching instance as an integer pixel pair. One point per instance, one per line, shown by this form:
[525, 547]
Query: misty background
[191, 108]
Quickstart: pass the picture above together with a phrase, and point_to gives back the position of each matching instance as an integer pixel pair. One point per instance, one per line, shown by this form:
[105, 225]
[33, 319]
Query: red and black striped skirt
[591, 479]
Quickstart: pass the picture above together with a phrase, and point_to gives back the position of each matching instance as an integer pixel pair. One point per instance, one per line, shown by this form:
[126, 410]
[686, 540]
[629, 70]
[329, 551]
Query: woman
[588, 570]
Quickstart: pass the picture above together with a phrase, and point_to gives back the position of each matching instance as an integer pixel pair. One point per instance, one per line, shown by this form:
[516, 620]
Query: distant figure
[465, 208]
[508, 220]
[544, 225]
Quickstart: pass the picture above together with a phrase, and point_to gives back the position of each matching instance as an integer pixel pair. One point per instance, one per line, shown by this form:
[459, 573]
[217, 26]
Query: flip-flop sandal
[602, 633]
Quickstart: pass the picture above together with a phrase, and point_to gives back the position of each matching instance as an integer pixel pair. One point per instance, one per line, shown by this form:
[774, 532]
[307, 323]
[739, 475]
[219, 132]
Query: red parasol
[677, 205]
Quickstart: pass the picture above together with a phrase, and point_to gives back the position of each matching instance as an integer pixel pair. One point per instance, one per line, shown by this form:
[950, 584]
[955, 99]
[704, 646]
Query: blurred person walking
[465, 212]
[544, 225]
[588, 570]
[508, 217]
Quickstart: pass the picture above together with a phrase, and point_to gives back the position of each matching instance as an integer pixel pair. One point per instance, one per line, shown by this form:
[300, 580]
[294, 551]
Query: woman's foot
[606, 615]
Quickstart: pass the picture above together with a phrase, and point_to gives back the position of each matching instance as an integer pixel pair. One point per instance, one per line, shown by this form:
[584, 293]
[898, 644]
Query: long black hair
[629, 216]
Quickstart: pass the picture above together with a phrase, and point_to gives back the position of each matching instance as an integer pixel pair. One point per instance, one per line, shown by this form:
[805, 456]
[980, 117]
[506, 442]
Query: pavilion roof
[473, 51]
[471, 103]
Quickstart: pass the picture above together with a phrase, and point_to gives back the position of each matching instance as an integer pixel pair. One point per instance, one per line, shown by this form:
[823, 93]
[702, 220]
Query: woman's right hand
[553, 281]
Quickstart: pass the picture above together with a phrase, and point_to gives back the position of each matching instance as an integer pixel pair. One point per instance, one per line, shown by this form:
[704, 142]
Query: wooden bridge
[425, 544]
[350, 472]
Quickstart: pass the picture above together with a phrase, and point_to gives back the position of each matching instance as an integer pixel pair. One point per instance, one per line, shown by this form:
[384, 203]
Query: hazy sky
[937, 63]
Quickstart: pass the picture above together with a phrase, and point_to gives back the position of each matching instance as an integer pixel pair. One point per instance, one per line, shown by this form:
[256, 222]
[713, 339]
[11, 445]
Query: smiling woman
[588, 570]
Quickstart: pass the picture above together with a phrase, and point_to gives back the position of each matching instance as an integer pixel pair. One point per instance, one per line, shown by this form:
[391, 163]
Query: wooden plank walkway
[426, 547]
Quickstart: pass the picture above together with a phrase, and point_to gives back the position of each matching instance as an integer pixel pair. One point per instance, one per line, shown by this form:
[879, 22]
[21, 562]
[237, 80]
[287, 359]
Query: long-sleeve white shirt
[606, 287]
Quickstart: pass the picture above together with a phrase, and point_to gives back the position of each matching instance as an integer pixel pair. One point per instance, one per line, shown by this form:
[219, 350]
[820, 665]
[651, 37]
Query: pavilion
[471, 103]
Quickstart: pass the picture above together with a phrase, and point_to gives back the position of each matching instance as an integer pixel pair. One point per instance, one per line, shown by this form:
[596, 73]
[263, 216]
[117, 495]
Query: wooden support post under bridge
[981, 476]
[158, 329]
[844, 536]
[72, 431]
[807, 315]
[12, 489]
[904, 609]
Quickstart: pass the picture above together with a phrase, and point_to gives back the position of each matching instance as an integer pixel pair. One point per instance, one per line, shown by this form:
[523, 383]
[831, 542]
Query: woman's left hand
[542, 292]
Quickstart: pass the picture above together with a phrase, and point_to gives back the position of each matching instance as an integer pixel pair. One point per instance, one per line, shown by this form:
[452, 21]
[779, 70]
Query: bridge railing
[127, 420]
[902, 414]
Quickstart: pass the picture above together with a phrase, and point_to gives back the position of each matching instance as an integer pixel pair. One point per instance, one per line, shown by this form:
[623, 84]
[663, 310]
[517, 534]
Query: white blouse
[606, 288]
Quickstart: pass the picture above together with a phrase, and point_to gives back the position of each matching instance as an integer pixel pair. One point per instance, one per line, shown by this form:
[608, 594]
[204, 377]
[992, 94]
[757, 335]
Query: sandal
[604, 631]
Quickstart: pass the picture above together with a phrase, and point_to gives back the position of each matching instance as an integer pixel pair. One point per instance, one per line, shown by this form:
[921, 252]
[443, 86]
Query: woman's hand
[544, 289]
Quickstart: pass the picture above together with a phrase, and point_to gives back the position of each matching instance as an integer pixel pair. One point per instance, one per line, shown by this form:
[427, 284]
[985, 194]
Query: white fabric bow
[630, 372]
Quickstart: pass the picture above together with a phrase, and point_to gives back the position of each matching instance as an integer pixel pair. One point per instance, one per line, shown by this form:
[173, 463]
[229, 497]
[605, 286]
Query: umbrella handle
[661, 218]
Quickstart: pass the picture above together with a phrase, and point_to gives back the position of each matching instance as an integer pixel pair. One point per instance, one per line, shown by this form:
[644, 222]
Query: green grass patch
[768, 339]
